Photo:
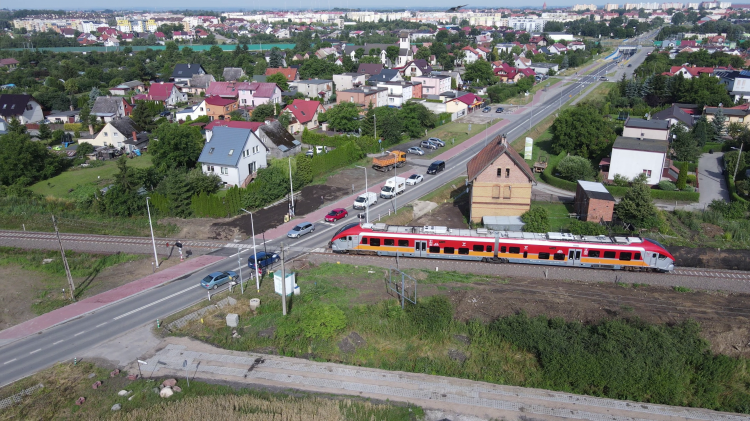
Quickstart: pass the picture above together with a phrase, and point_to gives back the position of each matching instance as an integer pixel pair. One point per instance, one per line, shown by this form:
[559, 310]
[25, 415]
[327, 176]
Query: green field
[453, 134]
[558, 214]
[59, 186]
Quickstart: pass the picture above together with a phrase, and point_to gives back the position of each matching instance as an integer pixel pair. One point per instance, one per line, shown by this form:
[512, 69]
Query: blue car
[213, 280]
[264, 259]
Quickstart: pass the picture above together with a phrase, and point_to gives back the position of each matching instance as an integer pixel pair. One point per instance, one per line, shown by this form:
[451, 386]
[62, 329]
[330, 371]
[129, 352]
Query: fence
[19, 396]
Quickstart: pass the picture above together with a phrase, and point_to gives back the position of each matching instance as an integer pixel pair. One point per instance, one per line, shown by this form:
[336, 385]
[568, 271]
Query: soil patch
[449, 215]
[711, 258]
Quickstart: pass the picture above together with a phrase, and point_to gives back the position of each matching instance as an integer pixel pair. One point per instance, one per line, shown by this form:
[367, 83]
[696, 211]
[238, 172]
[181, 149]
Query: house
[20, 106]
[198, 84]
[472, 101]
[252, 125]
[405, 52]
[165, 93]
[304, 114]
[594, 202]
[218, 108]
[345, 81]
[191, 113]
[399, 92]
[369, 69]
[557, 48]
[646, 129]
[3, 126]
[737, 82]
[387, 75]
[507, 73]
[500, 182]
[183, 72]
[63, 117]
[234, 154]
[257, 93]
[279, 142]
[10, 63]
[544, 68]
[314, 88]
[232, 74]
[290, 73]
[689, 72]
[453, 74]
[576, 45]
[107, 107]
[417, 67]
[434, 84]
[127, 87]
[471, 55]
[732, 115]
[522, 63]
[364, 96]
[226, 89]
[674, 115]
[121, 133]
[632, 156]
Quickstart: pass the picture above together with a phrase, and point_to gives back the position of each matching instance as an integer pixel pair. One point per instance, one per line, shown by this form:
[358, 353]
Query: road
[64, 342]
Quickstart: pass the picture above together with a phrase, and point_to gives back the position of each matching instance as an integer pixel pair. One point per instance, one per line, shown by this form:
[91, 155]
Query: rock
[155, 390]
[346, 346]
[357, 340]
[166, 392]
[96, 385]
[457, 355]
[123, 393]
[462, 338]
[131, 398]
[116, 407]
[267, 333]
[176, 389]
[80, 401]
[169, 382]
[114, 372]
[92, 375]
[132, 376]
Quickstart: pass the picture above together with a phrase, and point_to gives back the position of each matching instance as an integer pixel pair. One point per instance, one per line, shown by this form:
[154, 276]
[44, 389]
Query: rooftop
[647, 145]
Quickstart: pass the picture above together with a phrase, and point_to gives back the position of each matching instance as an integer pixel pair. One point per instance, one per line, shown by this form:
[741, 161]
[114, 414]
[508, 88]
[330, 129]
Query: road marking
[8, 362]
[79, 333]
[101, 324]
[155, 302]
[58, 342]
[34, 352]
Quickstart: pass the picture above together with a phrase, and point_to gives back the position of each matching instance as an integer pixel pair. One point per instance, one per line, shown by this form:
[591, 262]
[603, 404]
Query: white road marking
[8, 362]
[57, 342]
[34, 352]
[101, 324]
[155, 302]
[79, 333]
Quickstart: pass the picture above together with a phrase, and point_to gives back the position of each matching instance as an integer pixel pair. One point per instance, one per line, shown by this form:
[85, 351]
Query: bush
[313, 321]
[574, 168]
[536, 219]
[368, 144]
[73, 127]
[691, 179]
[587, 228]
[667, 185]
[431, 315]
[620, 180]
[340, 157]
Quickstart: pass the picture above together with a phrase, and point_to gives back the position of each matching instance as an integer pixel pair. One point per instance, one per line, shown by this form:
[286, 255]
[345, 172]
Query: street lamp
[395, 174]
[255, 254]
[367, 199]
[737, 166]
[153, 241]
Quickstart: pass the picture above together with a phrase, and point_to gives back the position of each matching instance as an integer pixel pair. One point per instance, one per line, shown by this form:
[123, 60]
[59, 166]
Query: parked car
[630, 65]
[415, 150]
[436, 167]
[336, 214]
[264, 259]
[436, 141]
[499, 110]
[414, 179]
[300, 230]
[428, 145]
[165, 113]
[486, 109]
[213, 280]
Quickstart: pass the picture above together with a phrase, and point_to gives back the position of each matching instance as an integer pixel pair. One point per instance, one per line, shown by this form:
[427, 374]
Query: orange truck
[389, 161]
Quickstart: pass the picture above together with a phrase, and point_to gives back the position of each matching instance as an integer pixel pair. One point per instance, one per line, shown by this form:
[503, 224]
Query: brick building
[594, 202]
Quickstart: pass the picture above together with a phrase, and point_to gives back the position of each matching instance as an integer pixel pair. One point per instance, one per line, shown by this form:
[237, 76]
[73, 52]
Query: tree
[93, 95]
[684, 144]
[581, 131]
[480, 72]
[636, 207]
[367, 125]
[415, 118]
[275, 59]
[678, 18]
[423, 53]
[565, 62]
[143, 116]
[285, 120]
[390, 125]
[536, 219]
[719, 123]
[122, 199]
[392, 54]
[303, 172]
[44, 131]
[175, 146]
[703, 131]
[84, 148]
[176, 189]
[682, 177]
[262, 112]
[359, 53]
[22, 160]
[735, 129]
[279, 79]
[342, 117]
[369, 60]
[260, 67]
[574, 168]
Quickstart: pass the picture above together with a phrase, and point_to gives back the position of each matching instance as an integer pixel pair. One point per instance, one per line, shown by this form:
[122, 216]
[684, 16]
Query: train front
[664, 260]
[345, 238]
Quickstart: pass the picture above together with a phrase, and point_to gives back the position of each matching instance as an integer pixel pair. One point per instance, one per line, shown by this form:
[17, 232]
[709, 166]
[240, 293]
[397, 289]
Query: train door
[420, 248]
[651, 259]
[574, 257]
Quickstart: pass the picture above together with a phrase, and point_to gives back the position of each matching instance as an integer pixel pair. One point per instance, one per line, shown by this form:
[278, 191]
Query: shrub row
[368, 144]
[733, 189]
[692, 166]
[337, 158]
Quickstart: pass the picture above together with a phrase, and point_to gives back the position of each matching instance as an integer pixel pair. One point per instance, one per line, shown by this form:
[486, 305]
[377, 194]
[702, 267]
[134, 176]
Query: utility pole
[375, 123]
[153, 241]
[291, 190]
[283, 283]
[65, 262]
[734, 176]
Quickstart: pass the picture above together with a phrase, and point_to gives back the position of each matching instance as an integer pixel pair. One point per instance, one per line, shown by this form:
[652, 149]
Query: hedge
[367, 144]
[72, 127]
[692, 166]
[733, 189]
[556, 181]
[337, 158]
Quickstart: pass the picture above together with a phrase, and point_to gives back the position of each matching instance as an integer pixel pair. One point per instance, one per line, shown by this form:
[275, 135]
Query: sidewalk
[96, 302]
[485, 400]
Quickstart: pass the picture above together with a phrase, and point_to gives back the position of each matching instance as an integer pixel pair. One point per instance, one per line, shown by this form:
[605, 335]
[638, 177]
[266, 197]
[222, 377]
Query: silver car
[301, 229]
[428, 145]
[415, 150]
[437, 141]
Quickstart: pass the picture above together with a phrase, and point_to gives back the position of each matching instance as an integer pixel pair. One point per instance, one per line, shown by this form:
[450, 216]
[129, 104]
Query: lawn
[558, 214]
[446, 192]
[60, 186]
[453, 134]
[601, 91]
[523, 100]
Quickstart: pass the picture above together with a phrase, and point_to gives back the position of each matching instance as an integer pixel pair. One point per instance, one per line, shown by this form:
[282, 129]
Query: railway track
[110, 239]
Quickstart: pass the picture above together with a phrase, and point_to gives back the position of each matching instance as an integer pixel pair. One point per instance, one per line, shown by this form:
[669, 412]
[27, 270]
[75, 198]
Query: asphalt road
[64, 342]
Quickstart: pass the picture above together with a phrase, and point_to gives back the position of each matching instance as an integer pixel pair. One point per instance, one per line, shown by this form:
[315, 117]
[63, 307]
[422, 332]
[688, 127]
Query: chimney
[188, 65]
[135, 136]
[71, 108]
[91, 130]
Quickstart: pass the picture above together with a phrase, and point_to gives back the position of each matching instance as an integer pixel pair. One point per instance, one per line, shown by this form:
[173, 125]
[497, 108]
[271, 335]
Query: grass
[453, 134]
[682, 289]
[65, 382]
[600, 91]
[525, 99]
[447, 192]
[402, 217]
[558, 214]
[60, 185]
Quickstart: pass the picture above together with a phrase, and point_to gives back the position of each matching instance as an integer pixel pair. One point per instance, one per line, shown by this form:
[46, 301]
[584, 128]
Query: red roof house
[304, 113]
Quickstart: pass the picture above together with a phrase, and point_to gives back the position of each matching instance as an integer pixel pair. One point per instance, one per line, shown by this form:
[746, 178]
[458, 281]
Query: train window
[515, 250]
[662, 257]
[478, 247]
[388, 242]
[434, 249]
[503, 249]
[462, 250]
[489, 249]
[559, 256]
[609, 254]
[594, 253]
[544, 256]
[625, 255]
[364, 240]
[637, 256]
[525, 254]
[403, 243]
[375, 242]
[448, 250]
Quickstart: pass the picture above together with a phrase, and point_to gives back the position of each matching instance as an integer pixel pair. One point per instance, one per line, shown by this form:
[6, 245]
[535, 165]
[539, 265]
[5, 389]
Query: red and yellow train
[619, 252]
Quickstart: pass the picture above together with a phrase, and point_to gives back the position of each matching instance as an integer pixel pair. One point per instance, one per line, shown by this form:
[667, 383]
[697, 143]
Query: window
[375, 242]
[503, 249]
[251, 167]
[256, 149]
[506, 192]
[106, 134]
[364, 240]
[637, 256]
[647, 172]
[463, 250]
[478, 247]
[448, 250]
[224, 170]
[544, 255]
[489, 249]
[525, 254]
[499, 172]
[625, 255]
[231, 151]
[559, 256]
[403, 243]
[388, 242]
[211, 150]
[115, 134]
[434, 249]
[507, 173]
[593, 253]
[514, 250]
[495, 192]
[662, 256]
[609, 254]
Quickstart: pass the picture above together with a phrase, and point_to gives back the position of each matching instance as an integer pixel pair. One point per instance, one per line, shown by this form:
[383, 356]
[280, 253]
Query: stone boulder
[177, 388]
[123, 393]
[114, 372]
[96, 385]
[169, 382]
[80, 401]
[132, 376]
[166, 392]
[116, 407]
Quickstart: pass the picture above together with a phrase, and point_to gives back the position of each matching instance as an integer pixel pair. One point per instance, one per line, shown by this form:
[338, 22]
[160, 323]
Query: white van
[393, 186]
[365, 200]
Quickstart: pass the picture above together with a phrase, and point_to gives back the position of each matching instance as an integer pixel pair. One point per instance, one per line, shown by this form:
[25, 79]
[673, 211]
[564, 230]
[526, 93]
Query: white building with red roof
[166, 93]
[258, 93]
[304, 114]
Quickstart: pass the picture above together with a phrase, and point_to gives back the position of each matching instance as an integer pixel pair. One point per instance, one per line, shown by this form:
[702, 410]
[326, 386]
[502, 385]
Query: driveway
[712, 184]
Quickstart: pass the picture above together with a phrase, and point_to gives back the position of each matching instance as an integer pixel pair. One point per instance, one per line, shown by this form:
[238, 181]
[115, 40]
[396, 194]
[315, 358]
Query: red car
[336, 214]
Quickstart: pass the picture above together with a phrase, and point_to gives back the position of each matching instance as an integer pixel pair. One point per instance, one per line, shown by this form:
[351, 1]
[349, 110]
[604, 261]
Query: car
[499, 110]
[265, 259]
[213, 280]
[486, 109]
[414, 179]
[336, 214]
[436, 167]
[415, 150]
[165, 113]
[603, 78]
[428, 145]
[436, 141]
[301, 229]
[630, 65]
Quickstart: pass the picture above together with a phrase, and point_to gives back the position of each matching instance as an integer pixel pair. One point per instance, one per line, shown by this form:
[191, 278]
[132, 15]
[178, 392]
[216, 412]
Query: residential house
[194, 112]
[314, 88]
[165, 93]
[108, 107]
[646, 129]
[689, 72]
[258, 93]
[398, 92]
[198, 84]
[10, 63]
[472, 101]
[387, 75]
[544, 68]
[417, 67]
[279, 142]
[434, 84]
[522, 63]
[127, 87]
[252, 125]
[218, 108]
[471, 55]
[593, 202]
[576, 45]
[226, 89]
[20, 106]
[507, 73]
[62, 117]
[290, 73]
[674, 115]
[453, 74]
[557, 48]
[267, 55]
[632, 156]
[737, 82]
[732, 115]
[500, 181]
[3, 126]
[345, 81]
[364, 96]
[121, 133]
[369, 69]
[304, 115]
[232, 74]
[183, 72]
[234, 154]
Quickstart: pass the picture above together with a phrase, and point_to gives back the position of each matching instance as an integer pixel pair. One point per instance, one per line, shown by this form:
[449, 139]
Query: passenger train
[562, 249]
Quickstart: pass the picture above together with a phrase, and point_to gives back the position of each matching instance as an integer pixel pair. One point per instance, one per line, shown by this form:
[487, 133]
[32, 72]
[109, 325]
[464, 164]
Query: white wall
[33, 115]
[640, 133]
[109, 136]
[631, 163]
[199, 111]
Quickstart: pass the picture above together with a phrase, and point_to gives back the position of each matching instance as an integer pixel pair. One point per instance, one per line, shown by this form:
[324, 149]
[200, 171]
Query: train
[481, 244]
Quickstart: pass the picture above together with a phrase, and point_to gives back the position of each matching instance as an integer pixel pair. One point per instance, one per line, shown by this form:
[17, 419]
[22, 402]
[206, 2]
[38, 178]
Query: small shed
[594, 202]
[503, 223]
